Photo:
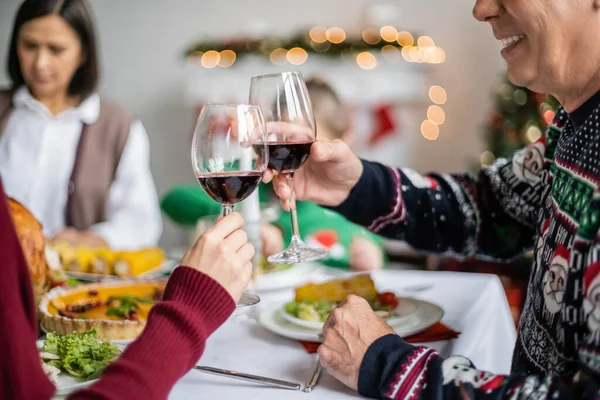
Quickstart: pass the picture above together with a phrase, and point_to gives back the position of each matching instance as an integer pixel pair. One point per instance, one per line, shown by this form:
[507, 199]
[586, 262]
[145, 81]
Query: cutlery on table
[250, 378]
[312, 382]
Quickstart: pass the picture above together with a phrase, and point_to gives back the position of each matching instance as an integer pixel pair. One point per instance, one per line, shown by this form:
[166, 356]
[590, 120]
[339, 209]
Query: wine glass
[291, 130]
[229, 157]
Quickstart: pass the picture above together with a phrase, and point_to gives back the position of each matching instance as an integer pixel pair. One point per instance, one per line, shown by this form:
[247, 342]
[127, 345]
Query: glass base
[248, 299]
[298, 254]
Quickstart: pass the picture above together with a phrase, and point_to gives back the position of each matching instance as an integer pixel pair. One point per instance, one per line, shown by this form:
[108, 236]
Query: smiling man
[546, 197]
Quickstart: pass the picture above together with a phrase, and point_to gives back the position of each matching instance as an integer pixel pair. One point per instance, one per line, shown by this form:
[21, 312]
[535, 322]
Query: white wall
[142, 43]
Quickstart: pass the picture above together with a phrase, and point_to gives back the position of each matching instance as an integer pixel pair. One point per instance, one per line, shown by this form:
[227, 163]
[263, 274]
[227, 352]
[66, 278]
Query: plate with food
[102, 264]
[312, 314]
[303, 318]
[117, 310]
[76, 360]
[270, 277]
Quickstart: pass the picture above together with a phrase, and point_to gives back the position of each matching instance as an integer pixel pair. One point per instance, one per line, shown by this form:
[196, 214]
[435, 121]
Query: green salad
[80, 354]
[319, 310]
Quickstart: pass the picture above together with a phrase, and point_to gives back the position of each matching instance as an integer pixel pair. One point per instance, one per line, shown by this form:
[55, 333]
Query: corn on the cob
[103, 262]
[82, 261]
[337, 290]
[137, 262]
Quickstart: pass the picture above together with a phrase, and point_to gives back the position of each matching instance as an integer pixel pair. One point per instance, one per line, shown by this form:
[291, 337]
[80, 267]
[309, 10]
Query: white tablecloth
[474, 304]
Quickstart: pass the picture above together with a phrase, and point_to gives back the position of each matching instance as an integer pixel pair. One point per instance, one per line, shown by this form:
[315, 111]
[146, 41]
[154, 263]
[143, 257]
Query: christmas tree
[520, 117]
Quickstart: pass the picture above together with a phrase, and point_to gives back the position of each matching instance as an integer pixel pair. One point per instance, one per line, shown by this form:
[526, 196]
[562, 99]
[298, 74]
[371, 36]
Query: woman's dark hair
[77, 14]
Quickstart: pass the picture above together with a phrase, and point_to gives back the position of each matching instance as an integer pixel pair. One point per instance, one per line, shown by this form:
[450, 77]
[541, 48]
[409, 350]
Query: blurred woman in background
[79, 163]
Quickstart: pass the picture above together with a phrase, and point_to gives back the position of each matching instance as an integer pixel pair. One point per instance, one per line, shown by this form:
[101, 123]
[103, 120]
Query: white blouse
[37, 152]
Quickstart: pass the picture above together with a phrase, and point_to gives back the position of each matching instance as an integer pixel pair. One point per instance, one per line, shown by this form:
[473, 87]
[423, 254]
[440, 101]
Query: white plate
[163, 268]
[291, 277]
[406, 309]
[271, 318]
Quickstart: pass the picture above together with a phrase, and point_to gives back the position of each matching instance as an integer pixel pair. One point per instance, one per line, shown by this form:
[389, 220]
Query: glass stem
[293, 214]
[227, 209]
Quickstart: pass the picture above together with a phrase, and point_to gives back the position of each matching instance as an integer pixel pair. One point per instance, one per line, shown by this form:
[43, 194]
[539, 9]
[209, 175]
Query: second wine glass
[291, 130]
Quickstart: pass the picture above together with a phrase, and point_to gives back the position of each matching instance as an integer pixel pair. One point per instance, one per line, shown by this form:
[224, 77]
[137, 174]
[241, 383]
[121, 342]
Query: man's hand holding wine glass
[327, 177]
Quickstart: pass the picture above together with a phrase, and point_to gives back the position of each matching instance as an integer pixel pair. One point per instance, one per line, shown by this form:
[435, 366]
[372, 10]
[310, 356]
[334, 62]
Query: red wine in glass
[230, 187]
[224, 158]
[286, 157]
[290, 123]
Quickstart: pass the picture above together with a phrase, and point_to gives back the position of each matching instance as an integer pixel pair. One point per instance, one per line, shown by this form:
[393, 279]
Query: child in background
[349, 245]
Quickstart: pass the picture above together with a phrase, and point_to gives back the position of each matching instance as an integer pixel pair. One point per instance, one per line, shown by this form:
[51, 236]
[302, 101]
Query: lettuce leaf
[81, 354]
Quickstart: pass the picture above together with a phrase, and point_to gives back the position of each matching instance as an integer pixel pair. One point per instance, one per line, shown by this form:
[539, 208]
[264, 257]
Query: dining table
[473, 304]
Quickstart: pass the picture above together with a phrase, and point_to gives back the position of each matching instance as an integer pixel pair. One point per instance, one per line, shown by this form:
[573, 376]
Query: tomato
[58, 283]
[388, 299]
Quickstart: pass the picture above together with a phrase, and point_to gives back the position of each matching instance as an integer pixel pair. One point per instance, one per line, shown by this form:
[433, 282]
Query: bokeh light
[371, 36]
[405, 39]
[438, 95]
[436, 115]
[335, 35]
[210, 59]
[278, 56]
[388, 33]
[297, 56]
[366, 60]
[227, 58]
[318, 34]
[429, 130]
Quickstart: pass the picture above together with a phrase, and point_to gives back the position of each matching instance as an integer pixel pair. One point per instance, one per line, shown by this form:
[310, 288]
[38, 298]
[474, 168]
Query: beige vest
[98, 153]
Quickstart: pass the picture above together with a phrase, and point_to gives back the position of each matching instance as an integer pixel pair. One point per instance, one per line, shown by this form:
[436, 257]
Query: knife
[250, 378]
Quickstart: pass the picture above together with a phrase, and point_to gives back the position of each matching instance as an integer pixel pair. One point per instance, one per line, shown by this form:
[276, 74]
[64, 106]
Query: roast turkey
[33, 243]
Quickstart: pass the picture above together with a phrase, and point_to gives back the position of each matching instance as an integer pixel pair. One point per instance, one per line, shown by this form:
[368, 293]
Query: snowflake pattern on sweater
[546, 198]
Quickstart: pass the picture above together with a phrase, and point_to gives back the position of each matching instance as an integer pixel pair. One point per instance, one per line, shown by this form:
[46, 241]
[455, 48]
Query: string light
[406, 53]
[422, 55]
[549, 116]
[388, 33]
[487, 158]
[210, 59]
[227, 58]
[322, 40]
[278, 56]
[405, 39]
[371, 36]
[318, 34]
[366, 60]
[429, 130]
[297, 56]
[436, 115]
[440, 55]
[413, 54]
[335, 35]
[425, 41]
[520, 97]
[437, 94]
[533, 133]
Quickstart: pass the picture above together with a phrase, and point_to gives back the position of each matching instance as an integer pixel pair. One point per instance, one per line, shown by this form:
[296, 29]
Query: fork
[312, 382]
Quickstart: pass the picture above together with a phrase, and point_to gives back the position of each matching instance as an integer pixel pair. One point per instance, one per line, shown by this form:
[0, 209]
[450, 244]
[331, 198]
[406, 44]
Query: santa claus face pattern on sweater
[561, 318]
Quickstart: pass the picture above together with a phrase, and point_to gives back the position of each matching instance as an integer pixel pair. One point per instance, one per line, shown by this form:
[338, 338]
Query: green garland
[265, 46]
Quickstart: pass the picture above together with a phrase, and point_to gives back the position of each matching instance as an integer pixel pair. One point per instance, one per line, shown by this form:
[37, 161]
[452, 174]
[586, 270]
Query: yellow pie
[118, 310]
